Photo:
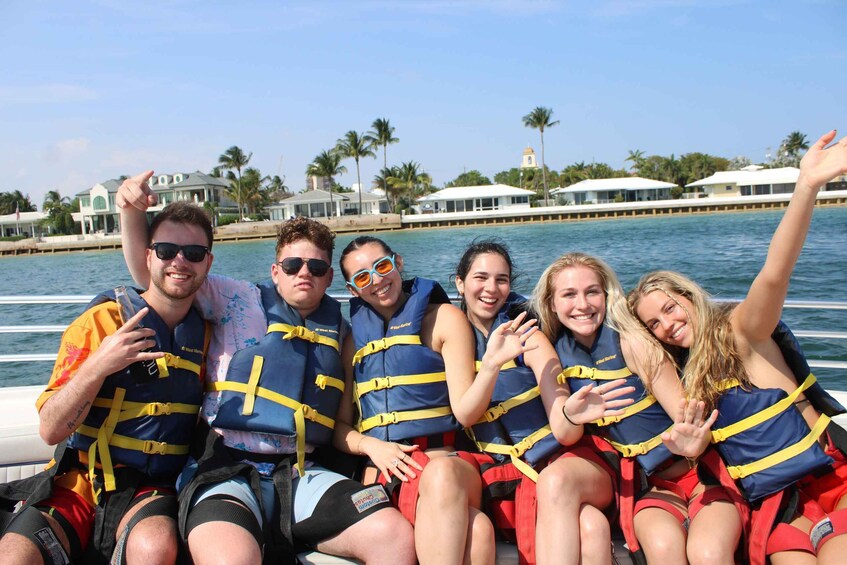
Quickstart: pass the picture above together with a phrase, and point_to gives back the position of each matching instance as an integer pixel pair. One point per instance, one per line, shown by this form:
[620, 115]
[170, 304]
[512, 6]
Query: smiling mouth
[489, 301]
[677, 333]
[382, 291]
[583, 317]
[179, 276]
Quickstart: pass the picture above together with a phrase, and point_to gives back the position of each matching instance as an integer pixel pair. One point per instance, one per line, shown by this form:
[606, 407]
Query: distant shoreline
[248, 231]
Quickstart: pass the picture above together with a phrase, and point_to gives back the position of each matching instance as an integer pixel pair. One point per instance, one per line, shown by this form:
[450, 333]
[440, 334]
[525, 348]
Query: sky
[91, 90]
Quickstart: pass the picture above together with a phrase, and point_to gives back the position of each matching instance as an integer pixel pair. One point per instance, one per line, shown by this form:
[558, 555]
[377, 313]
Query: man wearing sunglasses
[128, 432]
[275, 383]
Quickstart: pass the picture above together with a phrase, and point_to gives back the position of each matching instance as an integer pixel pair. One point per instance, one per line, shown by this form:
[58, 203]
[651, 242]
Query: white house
[316, 204]
[23, 223]
[751, 180]
[475, 198]
[603, 191]
[97, 204]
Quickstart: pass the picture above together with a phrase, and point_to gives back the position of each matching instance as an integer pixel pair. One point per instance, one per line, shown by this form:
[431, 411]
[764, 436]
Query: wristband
[359, 445]
[565, 414]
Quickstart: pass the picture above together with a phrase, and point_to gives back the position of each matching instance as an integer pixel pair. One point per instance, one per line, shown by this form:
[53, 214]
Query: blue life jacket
[762, 437]
[515, 424]
[401, 386]
[290, 383]
[148, 426]
[636, 433]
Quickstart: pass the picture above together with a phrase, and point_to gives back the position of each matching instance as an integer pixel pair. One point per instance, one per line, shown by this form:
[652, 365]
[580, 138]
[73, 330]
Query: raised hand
[125, 346]
[821, 164]
[593, 402]
[509, 340]
[391, 458]
[135, 192]
[690, 434]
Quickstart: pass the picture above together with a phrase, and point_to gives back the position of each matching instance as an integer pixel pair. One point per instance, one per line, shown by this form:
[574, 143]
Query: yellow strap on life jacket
[177, 362]
[741, 471]
[630, 410]
[148, 446]
[516, 451]
[323, 381]
[302, 412]
[583, 372]
[383, 344]
[496, 411]
[100, 446]
[381, 383]
[507, 365]
[745, 424]
[633, 449]
[131, 410]
[303, 333]
[388, 418]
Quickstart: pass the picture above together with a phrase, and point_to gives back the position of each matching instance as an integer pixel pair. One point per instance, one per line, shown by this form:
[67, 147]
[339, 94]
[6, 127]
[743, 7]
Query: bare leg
[223, 543]
[153, 540]
[563, 488]
[594, 537]
[19, 550]
[384, 537]
[714, 534]
[660, 535]
[449, 487]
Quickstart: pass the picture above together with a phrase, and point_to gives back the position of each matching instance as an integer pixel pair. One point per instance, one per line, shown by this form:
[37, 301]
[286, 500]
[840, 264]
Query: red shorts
[819, 497]
[683, 487]
[73, 498]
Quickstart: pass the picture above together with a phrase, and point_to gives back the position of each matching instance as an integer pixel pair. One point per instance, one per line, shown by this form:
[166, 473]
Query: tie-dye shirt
[234, 308]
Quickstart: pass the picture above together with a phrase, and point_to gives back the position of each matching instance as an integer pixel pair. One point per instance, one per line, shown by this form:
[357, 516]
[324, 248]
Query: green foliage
[235, 158]
[620, 198]
[355, 146]
[13, 238]
[15, 200]
[469, 178]
[789, 152]
[382, 135]
[676, 192]
[225, 219]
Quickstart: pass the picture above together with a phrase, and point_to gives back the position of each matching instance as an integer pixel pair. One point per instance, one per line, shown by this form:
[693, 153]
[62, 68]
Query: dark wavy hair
[297, 229]
[361, 241]
[182, 213]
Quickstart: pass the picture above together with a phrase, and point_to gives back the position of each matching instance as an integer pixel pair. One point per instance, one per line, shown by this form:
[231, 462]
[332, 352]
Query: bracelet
[565, 414]
[692, 462]
[359, 445]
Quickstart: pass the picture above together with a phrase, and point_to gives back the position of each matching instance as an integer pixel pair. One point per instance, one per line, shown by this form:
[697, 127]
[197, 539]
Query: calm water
[723, 252]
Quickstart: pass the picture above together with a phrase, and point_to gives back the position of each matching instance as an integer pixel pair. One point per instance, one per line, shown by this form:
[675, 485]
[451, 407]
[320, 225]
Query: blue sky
[93, 90]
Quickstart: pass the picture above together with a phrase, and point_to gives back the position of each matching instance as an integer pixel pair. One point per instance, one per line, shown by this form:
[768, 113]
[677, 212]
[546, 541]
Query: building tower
[528, 161]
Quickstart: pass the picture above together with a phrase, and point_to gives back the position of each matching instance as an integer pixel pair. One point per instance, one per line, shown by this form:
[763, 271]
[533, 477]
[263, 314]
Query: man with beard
[124, 395]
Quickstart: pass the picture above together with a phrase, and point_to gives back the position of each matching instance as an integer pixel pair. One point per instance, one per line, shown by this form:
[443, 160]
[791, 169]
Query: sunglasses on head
[364, 278]
[167, 251]
[292, 266]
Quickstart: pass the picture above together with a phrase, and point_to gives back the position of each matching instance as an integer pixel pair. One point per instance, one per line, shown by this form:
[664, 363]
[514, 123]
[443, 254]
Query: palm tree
[15, 201]
[637, 157]
[391, 191]
[234, 158]
[327, 164]
[53, 202]
[539, 119]
[382, 135]
[355, 146]
[410, 178]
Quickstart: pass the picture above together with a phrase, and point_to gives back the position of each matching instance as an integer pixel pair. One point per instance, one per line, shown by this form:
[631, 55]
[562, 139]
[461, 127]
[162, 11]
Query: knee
[482, 542]
[594, 529]
[709, 553]
[663, 548]
[153, 541]
[389, 532]
[442, 478]
[553, 485]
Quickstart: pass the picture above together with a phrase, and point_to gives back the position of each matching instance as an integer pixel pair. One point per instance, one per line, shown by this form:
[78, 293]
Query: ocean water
[723, 252]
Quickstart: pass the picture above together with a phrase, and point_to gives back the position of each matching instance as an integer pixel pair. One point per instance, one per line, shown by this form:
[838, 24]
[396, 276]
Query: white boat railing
[343, 297]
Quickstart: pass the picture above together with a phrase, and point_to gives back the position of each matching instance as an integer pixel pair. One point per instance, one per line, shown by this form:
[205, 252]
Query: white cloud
[55, 93]
[66, 149]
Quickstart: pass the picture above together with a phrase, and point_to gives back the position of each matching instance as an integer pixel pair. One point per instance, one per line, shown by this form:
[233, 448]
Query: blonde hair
[617, 316]
[713, 356]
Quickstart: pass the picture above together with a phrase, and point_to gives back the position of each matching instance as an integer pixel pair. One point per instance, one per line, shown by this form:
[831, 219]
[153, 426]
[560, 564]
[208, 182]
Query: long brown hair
[617, 317]
[713, 356]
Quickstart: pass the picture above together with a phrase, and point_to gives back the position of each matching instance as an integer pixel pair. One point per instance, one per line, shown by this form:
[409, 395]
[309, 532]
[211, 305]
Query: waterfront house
[475, 199]
[22, 223]
[99, 213]
[317, 204]
[751, 180]
[623, 189]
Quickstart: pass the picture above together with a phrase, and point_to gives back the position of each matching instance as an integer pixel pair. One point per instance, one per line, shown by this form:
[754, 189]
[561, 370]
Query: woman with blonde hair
[582, 310]
[773, 431]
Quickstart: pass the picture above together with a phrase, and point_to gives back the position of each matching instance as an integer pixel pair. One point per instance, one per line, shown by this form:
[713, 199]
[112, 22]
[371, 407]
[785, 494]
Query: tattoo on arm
[73, 423]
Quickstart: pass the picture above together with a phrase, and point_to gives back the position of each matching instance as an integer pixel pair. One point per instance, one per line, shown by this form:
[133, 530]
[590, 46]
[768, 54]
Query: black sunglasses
[292, 266]
[167, 251]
